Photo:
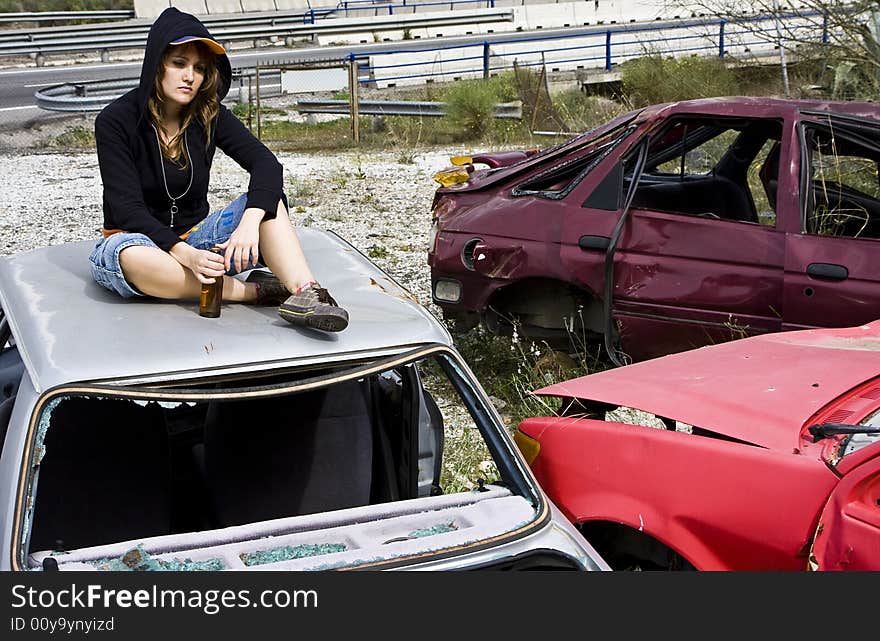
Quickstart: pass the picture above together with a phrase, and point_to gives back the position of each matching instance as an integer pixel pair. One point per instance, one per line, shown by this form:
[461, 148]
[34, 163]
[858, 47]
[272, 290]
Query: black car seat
[297, 454]
[104, 476]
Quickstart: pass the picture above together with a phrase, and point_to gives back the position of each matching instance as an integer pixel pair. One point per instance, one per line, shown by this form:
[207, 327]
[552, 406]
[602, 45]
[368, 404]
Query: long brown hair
[204, 106]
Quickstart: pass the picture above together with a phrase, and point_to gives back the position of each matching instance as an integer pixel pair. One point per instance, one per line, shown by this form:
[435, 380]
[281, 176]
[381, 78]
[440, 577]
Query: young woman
[155, 148]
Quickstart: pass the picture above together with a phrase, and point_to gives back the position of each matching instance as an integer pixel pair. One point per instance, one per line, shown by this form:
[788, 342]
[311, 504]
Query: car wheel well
[542, 307]
[626, 548]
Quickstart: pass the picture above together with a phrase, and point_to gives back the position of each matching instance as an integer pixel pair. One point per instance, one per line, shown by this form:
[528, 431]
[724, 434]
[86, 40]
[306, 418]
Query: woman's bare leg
[281, 252]
[156, 273]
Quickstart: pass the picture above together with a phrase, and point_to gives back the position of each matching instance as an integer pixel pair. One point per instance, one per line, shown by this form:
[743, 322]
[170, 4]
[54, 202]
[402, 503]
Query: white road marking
[18, 108]
[64, 68]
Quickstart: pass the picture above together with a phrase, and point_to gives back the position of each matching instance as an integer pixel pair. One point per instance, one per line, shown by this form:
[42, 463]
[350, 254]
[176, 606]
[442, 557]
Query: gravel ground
[380, 205]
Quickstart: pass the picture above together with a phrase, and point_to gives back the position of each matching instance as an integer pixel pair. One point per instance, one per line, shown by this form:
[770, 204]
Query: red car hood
[761, 390]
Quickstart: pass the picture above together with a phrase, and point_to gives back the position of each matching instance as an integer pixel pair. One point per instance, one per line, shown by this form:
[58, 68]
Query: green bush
[77, 137]
[654, 79]
[470, 107]
[504, 86]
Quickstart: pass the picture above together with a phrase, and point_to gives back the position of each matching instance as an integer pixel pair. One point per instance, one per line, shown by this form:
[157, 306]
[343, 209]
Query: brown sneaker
[314, 307]
[270, 290]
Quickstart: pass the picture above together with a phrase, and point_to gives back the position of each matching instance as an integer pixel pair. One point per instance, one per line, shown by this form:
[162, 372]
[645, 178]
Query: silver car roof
[69, 329]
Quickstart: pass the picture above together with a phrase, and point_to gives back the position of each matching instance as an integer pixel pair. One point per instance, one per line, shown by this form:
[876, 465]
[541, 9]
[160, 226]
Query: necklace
[174, 199]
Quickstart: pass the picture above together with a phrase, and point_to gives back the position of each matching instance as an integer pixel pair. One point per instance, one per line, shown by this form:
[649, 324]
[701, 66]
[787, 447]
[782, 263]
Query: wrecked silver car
[142, 436]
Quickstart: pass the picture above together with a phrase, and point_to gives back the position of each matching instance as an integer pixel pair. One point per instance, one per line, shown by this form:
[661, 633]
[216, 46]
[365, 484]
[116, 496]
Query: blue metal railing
[346, 6]
[370, 5]
[717, 37]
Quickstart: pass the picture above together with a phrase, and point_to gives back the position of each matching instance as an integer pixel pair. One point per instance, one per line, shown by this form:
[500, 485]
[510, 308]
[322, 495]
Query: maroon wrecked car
[670, 227]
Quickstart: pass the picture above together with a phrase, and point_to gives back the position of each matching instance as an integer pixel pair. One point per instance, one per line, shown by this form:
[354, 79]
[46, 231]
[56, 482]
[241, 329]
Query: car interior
[118, 469]
[711, 167]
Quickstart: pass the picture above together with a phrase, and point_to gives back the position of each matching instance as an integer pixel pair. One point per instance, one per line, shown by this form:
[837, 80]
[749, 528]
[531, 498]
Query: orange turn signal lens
[529, 447]
[452, 176]
[458, 161]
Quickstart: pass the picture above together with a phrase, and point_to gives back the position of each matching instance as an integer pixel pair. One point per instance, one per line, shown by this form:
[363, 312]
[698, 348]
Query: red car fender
[720, 504]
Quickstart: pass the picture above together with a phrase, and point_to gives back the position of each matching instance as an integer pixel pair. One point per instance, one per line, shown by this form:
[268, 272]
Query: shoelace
[324, 296]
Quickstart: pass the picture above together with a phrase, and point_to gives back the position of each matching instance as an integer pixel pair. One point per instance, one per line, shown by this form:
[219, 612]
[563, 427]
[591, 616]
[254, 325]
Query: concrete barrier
[256, 6]
[546, 16]
[149, 8]
[294, 5]
[451, 64]
[195, 7]
[216, 7]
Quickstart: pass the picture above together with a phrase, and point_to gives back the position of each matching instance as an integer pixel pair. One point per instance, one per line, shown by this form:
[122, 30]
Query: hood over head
[171, 25]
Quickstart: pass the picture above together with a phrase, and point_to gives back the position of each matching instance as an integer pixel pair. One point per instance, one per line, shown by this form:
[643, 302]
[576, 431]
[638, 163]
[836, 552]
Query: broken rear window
[558, 181]
[197, 478]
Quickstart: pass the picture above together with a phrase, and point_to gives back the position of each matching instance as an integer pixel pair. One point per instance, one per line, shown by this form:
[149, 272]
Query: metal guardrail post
[485, 61]
[250, 116]
[721, 38]
[608, 50]
[354, 98]
[259, 119]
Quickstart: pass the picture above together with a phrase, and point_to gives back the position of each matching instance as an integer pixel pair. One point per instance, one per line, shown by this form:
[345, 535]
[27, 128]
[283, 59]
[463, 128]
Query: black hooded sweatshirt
[135, 196]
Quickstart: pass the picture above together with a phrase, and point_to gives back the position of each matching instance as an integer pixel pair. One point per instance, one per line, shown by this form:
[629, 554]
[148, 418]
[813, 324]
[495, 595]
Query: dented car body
[671, 227]
[757, 454]
[141, 436]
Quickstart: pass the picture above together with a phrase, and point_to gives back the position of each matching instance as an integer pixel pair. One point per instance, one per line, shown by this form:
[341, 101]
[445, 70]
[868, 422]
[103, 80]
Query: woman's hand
[204, 264]
[242, 250]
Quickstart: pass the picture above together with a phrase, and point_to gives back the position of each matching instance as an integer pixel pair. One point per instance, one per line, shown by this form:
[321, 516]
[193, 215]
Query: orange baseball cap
[213, 45]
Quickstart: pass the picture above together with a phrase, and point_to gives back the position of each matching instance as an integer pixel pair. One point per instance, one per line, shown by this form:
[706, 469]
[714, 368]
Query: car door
[832, 257]
[699, 259]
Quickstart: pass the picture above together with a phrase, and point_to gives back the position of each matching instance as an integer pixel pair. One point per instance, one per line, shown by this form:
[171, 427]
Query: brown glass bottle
[211, 295]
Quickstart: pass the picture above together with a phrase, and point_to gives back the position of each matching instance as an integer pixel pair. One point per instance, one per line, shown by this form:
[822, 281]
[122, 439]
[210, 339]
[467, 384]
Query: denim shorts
[214, 229]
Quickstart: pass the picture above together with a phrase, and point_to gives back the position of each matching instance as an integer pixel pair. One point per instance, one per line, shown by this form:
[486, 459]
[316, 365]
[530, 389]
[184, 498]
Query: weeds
[512, 367]
[377, 251]
[339, 179]
[654, 79]
[582, 112]
[77, 137]
[301, 192]
[359, 172]
[405, 139]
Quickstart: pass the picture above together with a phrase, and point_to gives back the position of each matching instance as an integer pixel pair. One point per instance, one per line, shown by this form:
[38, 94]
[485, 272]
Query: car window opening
[724, 169]
[843, 196]
[162, 477]
[559, 180]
